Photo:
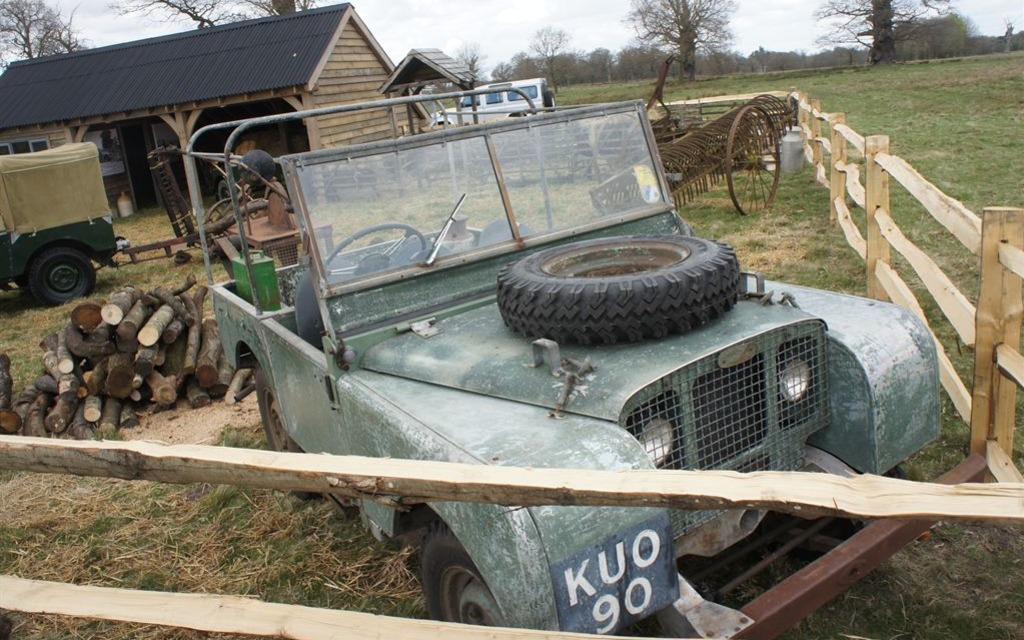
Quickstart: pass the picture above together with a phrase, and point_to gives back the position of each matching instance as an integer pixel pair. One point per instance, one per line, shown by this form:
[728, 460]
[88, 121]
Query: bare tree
[547, 44]
[684, 26]
[875, 24]
[470, 55]
[31, 28]
[1008, 36]
[209, 13]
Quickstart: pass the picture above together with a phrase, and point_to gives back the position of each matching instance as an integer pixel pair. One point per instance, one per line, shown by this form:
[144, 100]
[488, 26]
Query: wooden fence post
[876, 197]
[803, 122]
[998, 322]
[837, 182]
[817, 149]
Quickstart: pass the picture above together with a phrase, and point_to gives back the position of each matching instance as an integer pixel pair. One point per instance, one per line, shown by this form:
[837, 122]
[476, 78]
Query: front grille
[749, 407]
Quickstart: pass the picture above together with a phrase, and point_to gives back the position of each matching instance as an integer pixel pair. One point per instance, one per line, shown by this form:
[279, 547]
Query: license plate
[621, 580]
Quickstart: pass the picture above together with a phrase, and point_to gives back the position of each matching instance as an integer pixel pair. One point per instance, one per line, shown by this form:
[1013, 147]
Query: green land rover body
[393, 342]
[54, 222]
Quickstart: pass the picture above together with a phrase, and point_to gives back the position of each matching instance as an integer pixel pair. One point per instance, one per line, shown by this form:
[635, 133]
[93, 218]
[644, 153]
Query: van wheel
[452, 585]
[60, 274]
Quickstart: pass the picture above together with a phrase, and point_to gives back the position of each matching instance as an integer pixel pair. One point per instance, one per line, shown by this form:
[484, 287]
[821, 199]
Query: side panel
[6, 257]
[883, 379]
[97, 235]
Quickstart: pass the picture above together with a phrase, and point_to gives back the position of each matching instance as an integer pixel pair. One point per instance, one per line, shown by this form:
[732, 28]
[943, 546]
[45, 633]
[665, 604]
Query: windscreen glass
[391, 210]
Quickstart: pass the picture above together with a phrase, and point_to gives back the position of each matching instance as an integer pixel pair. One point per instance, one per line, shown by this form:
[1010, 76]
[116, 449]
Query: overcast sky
[504, 27]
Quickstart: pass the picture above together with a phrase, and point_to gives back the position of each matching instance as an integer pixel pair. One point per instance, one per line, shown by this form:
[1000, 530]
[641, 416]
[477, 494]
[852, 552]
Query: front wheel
[60, 274]
[270, 413]
[452, 585]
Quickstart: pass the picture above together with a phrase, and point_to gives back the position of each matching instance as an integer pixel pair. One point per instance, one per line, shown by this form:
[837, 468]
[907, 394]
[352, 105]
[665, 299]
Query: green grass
[958, 122]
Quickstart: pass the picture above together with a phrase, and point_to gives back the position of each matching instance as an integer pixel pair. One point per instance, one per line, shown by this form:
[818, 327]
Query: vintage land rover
[523, 293]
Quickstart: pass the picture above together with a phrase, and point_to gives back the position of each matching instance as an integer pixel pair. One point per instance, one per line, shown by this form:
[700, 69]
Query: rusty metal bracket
[544, 348]
[807, 590]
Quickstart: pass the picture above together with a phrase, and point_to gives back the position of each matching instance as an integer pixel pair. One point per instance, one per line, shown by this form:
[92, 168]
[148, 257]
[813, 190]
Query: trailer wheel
[452, 585]
[621, 289]
[59, 274]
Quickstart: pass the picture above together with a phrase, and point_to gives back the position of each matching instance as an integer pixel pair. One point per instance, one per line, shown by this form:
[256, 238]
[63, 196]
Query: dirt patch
[184, 425]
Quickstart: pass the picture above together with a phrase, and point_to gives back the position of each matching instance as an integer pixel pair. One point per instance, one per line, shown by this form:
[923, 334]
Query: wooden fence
[991, 327]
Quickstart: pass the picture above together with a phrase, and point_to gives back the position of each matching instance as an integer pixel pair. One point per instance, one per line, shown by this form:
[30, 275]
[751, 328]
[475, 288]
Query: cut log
[161, 296]
[86, 316]
[65, 361]
[111, 417]
[164, 389]
[209, 354]
[195, 332]
[237, 384]
[24, 401]
[129, 344]
[154, 328]
[172, 331]
[120, 373]
[46, 383]
[137, 381]
[35, 420]
[145, 360]
[10, 421]
[129, 417]
[92, 408]
[68, 386]
[174, 361]
[50, 364]
[225, 372]
[80, 428]
[119, 305]
[190, 282]
[60, 416]
[84, 347]
[96, 379]
[129, 327]
[49, 343]
[100, 334]
[197, 396]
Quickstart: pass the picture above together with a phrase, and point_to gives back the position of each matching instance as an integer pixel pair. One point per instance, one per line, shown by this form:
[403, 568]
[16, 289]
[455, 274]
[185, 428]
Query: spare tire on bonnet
[620, 289]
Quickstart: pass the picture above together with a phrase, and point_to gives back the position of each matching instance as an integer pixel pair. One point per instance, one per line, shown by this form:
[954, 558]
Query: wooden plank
[818, 156]
[826, 144]
[876, 198]
[1000, 307]
[1001, 465]
[853, 184]
[1010, 363]
[837, 177]
[901, 294]
[237, 615]
[806, 494]
[952, 214]
[851, 136]
[850, 230]
[739, 97]
[954, 304]
[1012, 258]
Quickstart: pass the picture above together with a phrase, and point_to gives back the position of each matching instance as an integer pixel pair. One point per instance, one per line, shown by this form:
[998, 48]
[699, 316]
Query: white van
[501, 103]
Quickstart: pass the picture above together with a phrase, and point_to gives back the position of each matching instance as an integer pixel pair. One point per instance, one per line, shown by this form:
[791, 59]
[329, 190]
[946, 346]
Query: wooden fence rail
[991, 328]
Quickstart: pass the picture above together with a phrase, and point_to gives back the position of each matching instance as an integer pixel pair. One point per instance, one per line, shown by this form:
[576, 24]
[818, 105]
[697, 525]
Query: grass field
[957, 122]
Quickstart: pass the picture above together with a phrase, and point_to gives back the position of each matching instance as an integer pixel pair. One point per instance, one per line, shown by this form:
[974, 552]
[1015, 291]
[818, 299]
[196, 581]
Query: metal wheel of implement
[218, 210]
[752, 160]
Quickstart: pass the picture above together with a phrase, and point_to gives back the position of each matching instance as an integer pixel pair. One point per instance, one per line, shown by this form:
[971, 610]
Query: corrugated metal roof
[422, 66]
[232, 59]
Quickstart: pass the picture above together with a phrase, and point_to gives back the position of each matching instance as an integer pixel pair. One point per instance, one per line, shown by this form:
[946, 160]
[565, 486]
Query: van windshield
[530, 91]
[383, 208]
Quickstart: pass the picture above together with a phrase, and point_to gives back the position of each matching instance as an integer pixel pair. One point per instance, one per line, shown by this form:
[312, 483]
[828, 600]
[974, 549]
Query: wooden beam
[805, 494]
[1012, 258]
[850, 230]
[1001, 465]
[901, 294]
[237, 615]
[876, 198]
[954, 304]
[837, 182]
[952, 214]
[1010, 363]
[851, 136]
[1000, 308]
[853, 185]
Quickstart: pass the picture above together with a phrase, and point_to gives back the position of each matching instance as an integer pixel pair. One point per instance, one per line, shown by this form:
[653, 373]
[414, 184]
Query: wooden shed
[130, 98]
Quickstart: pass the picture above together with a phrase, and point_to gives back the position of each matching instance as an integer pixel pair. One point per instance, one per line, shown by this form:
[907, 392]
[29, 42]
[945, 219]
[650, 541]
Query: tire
[59, 274]
[273, 424]
[452, 585]
[621, 289]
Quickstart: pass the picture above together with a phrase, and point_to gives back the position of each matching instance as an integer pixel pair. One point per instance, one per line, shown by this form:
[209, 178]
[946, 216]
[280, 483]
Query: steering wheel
[410, 232]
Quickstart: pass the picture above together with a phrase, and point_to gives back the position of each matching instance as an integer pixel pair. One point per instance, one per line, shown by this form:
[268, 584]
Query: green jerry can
[263, 276]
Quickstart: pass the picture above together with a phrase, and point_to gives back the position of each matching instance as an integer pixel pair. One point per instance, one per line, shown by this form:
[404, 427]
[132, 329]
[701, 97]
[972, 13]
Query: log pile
[141, 351]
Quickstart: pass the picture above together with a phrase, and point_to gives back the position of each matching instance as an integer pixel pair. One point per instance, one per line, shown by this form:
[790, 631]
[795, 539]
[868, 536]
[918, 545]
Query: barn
[132, 97]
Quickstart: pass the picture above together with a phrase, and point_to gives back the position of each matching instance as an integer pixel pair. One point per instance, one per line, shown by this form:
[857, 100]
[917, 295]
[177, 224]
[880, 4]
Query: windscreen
[385, 211]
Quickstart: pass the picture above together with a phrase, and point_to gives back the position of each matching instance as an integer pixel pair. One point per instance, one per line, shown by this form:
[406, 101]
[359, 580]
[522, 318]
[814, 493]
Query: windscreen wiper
[444, 231]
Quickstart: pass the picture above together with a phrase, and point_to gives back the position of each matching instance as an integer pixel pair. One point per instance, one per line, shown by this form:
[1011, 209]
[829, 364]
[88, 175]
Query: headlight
[657, 438]
[795, 380]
